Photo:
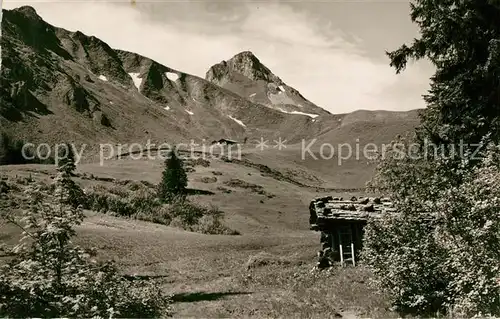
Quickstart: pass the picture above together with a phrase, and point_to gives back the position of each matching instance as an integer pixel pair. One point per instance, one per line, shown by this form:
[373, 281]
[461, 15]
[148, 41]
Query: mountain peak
[245, 55]
[245, 75]
[244, 63]
[28, 11]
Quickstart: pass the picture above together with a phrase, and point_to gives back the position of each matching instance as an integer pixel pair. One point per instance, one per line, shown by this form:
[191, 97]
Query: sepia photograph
[250, 159]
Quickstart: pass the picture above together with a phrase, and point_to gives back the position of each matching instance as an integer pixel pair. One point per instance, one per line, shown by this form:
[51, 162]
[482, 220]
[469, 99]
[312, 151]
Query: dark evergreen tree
[66, 168]
[5, 152]
[174, 179]
[462, 40]
[437, 255]
[67, 156]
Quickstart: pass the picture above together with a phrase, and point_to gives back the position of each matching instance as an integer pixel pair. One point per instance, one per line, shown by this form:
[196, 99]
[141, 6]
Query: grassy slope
[209, 274]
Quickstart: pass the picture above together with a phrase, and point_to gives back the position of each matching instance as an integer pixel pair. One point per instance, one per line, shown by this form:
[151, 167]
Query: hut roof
[355, 209]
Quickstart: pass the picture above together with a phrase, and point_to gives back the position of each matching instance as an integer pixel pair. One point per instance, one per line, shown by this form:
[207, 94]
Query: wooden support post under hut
[341, 223]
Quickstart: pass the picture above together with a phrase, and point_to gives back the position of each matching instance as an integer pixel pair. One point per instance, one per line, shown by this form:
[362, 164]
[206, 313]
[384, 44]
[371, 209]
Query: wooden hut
[224, 141]
[341, 224]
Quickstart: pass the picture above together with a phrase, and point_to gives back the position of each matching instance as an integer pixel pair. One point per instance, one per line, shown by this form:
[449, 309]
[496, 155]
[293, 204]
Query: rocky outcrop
[245, 75]
[24, 100]
[96, 55]
[244, 63]
[81, 100]
[101, 119]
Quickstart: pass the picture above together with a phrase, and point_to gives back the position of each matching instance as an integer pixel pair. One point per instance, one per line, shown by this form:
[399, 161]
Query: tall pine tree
[174, 179]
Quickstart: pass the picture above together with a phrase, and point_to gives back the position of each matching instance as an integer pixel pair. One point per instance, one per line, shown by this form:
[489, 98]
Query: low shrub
[143, 204]
[198, 162]
[265, 259]
[186, 212]
[224, 190]
[48, 276]
[4, 187]
[197, 218]
[213, 225]
[160, 215]
[439, 254]
[208, 179]
[234, 182]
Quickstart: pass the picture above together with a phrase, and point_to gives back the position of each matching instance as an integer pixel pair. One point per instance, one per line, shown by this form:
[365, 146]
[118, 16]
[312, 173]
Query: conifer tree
[440, 252]
[462, 40]
[66, 168]
[68, 156]
[174, 178]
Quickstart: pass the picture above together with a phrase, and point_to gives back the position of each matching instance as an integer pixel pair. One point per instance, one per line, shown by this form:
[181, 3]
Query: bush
[144, 205]
[407, 262]
[122, 201]
[440, 252]
[186, 212]
[160, 215]
[48, 276]
[210, 221]
[199, 162]
[459, 195]
[208, 179]
[4, 187]
[469, 228]
[213, 225]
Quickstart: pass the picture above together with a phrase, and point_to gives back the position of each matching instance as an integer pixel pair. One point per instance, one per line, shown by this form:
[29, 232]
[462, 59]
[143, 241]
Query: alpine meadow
[153, 164]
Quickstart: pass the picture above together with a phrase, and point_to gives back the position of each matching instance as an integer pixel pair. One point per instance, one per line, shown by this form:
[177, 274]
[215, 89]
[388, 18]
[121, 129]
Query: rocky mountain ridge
[63, 86]
[245, 75]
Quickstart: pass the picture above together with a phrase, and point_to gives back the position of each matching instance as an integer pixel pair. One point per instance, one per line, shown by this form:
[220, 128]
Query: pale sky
[331, 51]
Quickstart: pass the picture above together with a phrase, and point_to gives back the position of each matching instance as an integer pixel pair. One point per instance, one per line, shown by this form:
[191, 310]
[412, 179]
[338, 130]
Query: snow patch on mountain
[237, 121]
[299, 113]
[172, 76]
[136, 79]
